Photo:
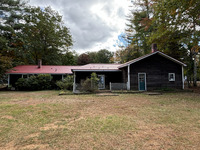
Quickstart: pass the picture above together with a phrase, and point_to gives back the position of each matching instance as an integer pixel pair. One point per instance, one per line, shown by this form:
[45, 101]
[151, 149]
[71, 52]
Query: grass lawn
[44, 120]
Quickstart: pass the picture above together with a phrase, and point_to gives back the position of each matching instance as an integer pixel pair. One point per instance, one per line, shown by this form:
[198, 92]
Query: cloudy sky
[94, 24]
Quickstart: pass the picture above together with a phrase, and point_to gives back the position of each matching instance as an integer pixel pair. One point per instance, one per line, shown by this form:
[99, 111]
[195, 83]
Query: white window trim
[174, 78]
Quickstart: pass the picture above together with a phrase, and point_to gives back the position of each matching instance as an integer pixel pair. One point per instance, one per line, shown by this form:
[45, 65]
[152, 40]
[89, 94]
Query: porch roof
[97, 67]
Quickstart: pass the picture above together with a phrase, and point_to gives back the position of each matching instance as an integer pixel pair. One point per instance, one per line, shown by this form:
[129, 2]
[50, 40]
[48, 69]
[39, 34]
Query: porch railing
[118, 86]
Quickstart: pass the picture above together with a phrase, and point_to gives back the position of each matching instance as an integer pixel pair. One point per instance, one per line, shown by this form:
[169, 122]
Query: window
[24, 76]
[171, 76]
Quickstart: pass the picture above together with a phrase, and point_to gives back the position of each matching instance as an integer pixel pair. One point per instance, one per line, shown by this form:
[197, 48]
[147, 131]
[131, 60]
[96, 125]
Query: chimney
[154, 48]
[39, 63]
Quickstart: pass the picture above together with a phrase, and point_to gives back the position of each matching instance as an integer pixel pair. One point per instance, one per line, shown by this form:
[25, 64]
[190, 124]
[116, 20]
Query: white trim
[174, 77]
[148, 55]
[74, 84]
[129, 82]
[183, 80]
[104, 81]
[145, 79]
[8, 79]
[97, 70]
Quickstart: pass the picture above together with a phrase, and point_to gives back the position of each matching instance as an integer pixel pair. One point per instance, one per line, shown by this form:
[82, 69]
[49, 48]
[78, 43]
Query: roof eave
[160, 53]
[88, 70]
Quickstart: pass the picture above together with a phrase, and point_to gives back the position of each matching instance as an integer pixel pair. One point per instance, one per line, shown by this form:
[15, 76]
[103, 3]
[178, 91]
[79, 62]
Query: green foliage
[39, 82]
[66, 83]
[10, 27]
[94, 81]
[104, 56]
[68, 58]
[173, 25]
[5, 64]
[90, 84]
[45, 35]
[101, 56]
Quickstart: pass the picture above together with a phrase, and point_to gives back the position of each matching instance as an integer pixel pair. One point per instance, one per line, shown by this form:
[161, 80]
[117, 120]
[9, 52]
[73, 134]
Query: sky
[94, 24]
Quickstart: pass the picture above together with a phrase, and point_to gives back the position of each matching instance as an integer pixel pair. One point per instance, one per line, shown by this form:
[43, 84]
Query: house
[25, 71]
[149, 72]
[153, 71]
[106, 72]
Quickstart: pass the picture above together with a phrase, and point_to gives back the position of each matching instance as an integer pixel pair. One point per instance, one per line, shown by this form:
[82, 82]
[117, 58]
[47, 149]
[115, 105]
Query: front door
[142, 81]
[101, 81]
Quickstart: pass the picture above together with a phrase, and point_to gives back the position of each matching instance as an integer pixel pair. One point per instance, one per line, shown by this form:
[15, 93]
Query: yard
[44, 120]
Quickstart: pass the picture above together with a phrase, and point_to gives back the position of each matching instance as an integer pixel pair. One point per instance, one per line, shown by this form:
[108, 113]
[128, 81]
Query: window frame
[171, 79]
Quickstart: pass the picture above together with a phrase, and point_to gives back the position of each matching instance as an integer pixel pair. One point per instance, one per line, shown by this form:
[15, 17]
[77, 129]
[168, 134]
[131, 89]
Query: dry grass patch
[44, 120]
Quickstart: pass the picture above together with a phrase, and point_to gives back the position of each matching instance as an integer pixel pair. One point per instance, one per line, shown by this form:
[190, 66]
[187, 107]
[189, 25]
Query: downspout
[129, 84]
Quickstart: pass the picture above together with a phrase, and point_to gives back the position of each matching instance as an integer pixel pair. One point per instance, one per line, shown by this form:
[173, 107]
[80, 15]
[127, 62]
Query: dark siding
[114, 77]
[125, 74]
[14, 78]
[156, 68]
[56, 77]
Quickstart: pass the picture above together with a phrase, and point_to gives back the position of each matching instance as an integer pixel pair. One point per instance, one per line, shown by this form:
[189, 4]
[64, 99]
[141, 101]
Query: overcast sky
[94, 24]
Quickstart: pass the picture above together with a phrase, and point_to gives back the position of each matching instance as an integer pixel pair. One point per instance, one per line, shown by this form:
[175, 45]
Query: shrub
[66, 83]
[90, 85]
[39, 82]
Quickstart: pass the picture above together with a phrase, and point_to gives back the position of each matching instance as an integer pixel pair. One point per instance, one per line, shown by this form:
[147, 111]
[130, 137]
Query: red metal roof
[33, 69]
[98, 67]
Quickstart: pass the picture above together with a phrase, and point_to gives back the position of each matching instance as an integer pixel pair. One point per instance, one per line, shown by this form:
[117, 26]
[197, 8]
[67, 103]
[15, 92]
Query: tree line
[173, 25]
[29, 33]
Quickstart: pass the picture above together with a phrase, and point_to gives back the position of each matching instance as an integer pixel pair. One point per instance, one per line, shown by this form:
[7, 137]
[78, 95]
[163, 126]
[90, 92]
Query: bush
[39, 82]
[90, 85]
[66, 83]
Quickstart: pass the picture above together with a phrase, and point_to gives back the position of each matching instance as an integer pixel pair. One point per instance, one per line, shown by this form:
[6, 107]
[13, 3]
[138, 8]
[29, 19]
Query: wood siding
[114, 77]
[157, 69]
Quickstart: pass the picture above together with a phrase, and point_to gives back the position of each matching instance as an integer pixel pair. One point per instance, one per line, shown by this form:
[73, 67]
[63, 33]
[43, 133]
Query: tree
[45, 36]
[139, 28]
[173, 25]
[177, 29]
[104, 56]
[68, 58]
[92, 57]
[126, 54]
[10, 26]
[83, 59]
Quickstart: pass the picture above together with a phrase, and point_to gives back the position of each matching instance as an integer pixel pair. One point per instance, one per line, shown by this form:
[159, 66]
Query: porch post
[74, 85]
[183, 78]
[8, 79]
[128, 86]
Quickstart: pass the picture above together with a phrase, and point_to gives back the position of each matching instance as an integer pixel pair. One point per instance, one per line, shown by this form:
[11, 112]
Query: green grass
[45, 120]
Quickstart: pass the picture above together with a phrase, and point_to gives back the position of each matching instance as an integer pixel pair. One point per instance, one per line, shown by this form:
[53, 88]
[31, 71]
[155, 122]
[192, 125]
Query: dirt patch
[35, 146]
[8, 117]
[34, 135]
[52, 126]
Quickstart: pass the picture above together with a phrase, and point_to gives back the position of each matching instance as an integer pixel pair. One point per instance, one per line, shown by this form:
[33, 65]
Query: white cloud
[94, 24]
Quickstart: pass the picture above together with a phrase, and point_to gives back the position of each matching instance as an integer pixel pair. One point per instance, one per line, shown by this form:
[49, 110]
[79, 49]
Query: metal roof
[33, 69]
[98, 67]
[148, 55]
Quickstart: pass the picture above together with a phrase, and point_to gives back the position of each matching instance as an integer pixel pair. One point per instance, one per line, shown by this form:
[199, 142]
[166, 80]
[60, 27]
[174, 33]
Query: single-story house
[151, 71]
